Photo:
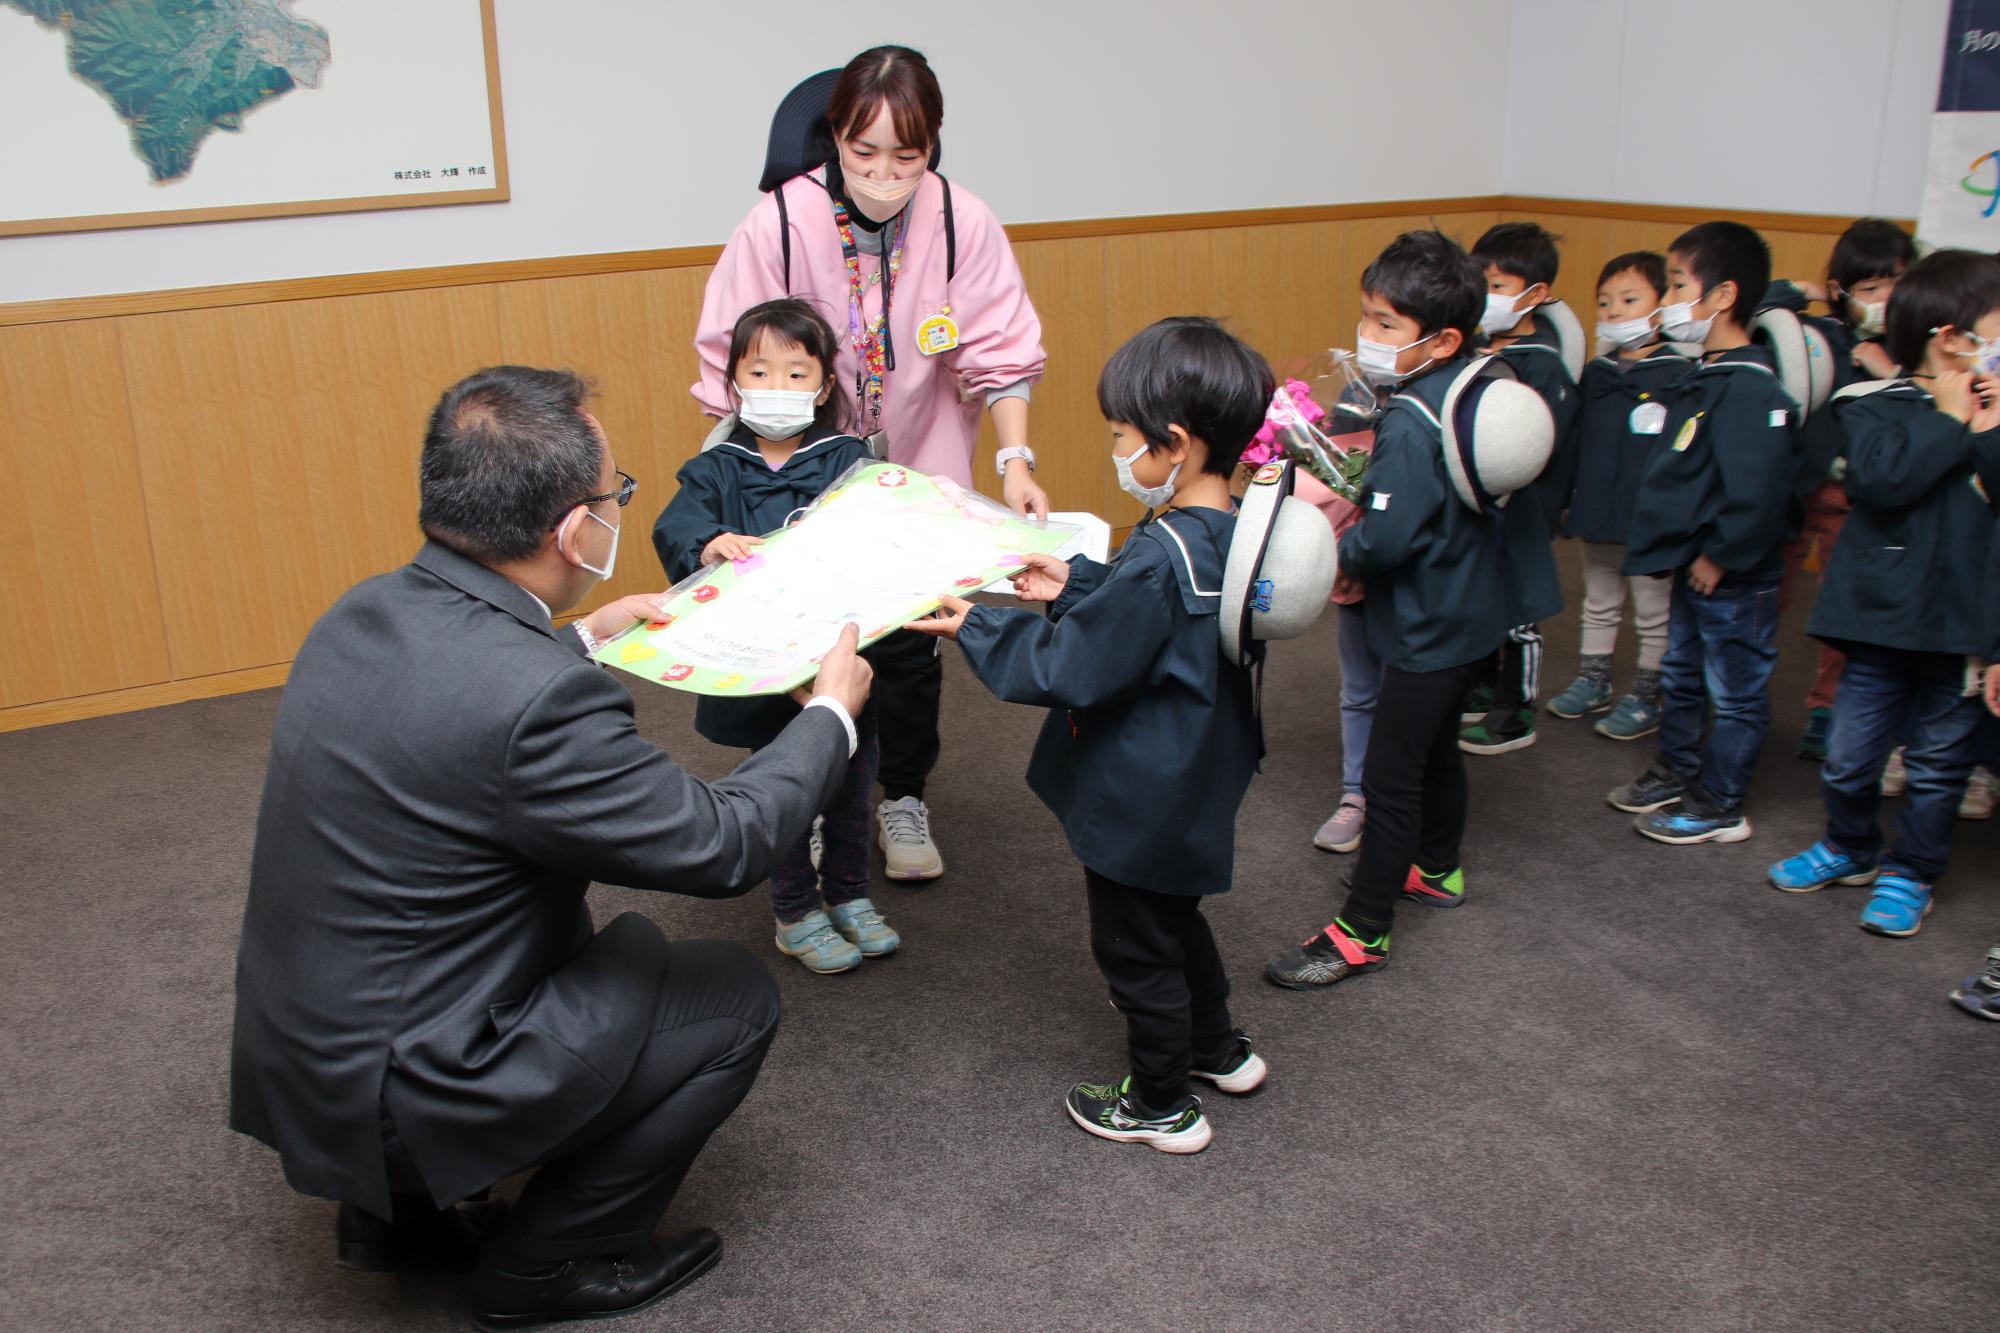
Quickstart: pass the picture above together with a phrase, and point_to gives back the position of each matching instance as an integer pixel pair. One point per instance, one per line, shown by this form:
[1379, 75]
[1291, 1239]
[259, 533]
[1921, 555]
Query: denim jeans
[1720, 649]
[1360, 682]
[1921, 696]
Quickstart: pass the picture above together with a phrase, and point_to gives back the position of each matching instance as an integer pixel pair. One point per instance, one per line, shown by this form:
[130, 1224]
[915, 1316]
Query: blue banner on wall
[1962, 182]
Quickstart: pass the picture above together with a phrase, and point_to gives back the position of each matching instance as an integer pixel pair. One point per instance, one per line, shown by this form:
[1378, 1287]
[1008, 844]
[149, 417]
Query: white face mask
[777, 414]
[1500, 313]
[1626, 332]
[881, 200]
[1378, 360]
[1678, 322]
[1870, 317]
[1985, 353]
[611, 561]
[1150, 496]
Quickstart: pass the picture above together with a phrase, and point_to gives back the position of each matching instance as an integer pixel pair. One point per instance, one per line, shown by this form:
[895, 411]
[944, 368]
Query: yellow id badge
[937, 334]
[1686, 437]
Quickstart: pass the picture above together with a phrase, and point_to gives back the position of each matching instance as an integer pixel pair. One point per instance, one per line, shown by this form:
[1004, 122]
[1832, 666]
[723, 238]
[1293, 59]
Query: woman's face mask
[881, 172]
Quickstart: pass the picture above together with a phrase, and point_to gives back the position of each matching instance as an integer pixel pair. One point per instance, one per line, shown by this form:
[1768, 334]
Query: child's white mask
[1150, 496]
[1626, 332]
[1378, 360]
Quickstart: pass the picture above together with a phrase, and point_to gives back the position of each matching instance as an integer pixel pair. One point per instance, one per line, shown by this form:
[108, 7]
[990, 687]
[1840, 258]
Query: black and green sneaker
[1477, 705]
[1113, 1111]
[1335, 954]
[1445, 888]
[1499, 731]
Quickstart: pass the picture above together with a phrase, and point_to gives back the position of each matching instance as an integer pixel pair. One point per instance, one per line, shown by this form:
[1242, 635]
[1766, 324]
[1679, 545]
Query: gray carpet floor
[1625, 1085]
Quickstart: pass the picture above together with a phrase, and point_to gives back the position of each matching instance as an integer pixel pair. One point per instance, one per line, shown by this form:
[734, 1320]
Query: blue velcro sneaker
[1818, 866]
[1632, 719]
[1898, 906]
[1583, 696]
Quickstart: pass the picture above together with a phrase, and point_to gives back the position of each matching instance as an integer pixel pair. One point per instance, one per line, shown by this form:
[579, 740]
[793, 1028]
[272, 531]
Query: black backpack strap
[950, 235]
[785, 236]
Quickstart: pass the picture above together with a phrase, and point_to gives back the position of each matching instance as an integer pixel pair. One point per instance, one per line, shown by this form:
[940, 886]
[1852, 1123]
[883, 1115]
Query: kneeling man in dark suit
[422, 1004]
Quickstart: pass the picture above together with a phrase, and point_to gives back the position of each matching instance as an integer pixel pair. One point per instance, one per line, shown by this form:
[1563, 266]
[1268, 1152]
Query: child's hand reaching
[1043, 579]
[944, 624]
[729, 546]
[1986, 396]
[1952, 392]
[1871, 358]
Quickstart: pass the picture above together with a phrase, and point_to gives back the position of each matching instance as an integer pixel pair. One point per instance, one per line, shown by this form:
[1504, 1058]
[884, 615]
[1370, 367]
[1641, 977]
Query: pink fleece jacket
[931, 404]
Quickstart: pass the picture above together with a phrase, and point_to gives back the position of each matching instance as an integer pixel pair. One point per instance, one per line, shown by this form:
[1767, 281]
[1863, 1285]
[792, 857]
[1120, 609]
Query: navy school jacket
[1536, 358]
[1821, 440]
[1437, 597]
[1151, 737]
[1910, 566]
[1720, 484]
[1610, 455]
[730, 488]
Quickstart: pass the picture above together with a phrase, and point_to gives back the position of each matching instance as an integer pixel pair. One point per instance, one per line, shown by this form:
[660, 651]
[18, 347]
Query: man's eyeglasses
[623, 495]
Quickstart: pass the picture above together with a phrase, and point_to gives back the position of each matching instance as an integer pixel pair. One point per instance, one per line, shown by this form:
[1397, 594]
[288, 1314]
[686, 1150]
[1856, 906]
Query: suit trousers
[909, 679]
[604, 1189]
[1166, 977]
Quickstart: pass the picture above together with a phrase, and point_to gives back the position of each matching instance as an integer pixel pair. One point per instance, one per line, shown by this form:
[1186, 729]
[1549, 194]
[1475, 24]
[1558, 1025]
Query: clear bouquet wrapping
[1340, 398]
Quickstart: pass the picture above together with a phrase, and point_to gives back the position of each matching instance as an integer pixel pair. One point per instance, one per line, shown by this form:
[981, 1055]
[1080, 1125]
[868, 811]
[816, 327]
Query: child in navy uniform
[1902, 596]
[786, 449]
[1979, 994]
[1437, 607]
[1622, 420]
[1520, 262]
[1713, 512]
[1152, 735]
[1860, 276]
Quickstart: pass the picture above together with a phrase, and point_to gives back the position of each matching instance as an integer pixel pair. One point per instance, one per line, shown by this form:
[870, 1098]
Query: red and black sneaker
[1334, 954]
[1445, 888]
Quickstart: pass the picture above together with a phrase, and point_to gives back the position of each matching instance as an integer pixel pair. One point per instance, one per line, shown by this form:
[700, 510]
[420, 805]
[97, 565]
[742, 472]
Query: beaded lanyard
[871, 342]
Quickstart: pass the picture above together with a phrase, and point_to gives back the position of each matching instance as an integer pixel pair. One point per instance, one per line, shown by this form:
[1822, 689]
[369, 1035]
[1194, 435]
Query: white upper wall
[633, 124]
[1798, 106]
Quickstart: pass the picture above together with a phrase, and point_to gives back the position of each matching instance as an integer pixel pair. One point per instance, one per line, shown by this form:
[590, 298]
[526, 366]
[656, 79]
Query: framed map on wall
[130, 113]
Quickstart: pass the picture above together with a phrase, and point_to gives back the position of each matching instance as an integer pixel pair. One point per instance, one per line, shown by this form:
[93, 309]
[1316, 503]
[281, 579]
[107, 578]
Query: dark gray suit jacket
[447, 777]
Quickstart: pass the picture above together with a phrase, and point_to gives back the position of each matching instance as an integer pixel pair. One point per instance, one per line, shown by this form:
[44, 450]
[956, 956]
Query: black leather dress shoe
[419, 1239]
[509, 1292]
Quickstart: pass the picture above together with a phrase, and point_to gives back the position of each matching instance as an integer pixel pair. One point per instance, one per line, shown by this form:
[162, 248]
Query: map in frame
[130, 113]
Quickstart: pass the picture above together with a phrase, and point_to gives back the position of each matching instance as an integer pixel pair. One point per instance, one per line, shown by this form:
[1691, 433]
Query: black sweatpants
[1166, 977]
[909, 677]
[1517, 677]
[605, 1188]
[1414, 779]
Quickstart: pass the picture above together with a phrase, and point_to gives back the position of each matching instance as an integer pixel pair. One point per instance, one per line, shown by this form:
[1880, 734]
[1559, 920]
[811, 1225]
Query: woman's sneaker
[1818, 866]
[1584, 696]
[904, 829]
[1342, 830]
[815, 943]
[1649, 791]
[1981, 994]
[1113, 1111]
[1334, 954]
[1631, 719]
[1239, 1071]
[863, 927]
[1979, 795]
[1895, 777]
[1898, 907]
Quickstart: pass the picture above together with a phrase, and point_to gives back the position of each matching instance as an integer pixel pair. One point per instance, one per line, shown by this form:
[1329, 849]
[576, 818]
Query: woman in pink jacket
[917, 277]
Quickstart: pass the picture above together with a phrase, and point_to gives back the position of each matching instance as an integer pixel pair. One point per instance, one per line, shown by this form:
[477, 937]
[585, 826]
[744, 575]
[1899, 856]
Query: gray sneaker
[816, 944]
[904, 830]
[1342, 830]
[1652, 790]
[863, 927]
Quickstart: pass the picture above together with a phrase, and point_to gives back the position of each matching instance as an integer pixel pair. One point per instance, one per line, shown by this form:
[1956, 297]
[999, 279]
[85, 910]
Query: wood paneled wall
[198, 475]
